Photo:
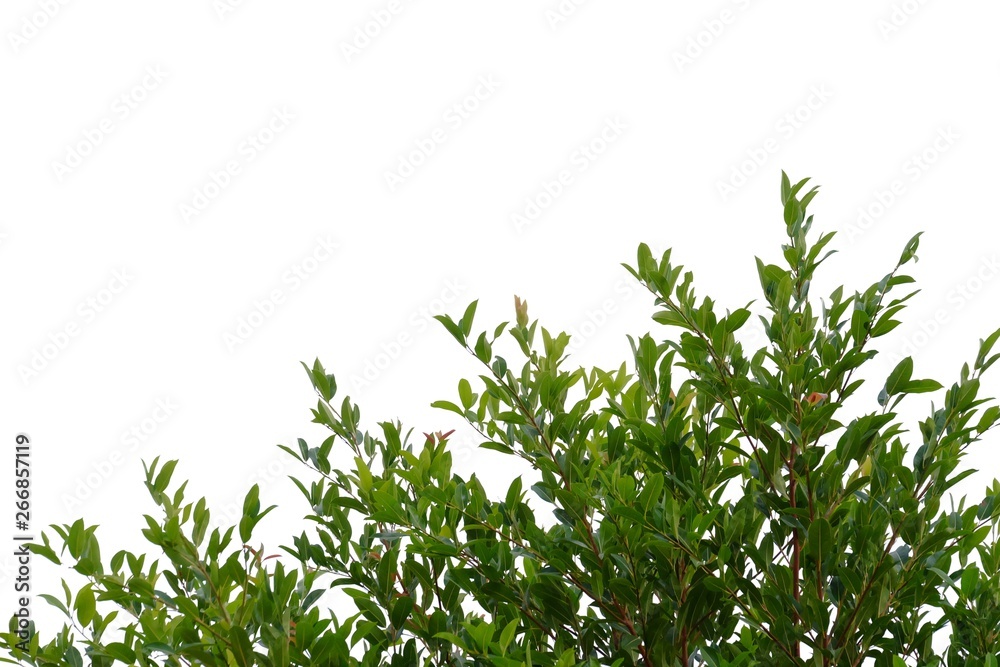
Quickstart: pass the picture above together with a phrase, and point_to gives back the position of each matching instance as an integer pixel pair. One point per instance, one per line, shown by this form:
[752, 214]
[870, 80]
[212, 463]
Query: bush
[706, 507]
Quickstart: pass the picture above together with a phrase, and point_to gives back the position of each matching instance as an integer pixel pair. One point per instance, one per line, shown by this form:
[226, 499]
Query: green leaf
[470, 313]
[448, 405]
[85, 605]
[851, 580]
[55, 602]
[507, 636]
[325, 384]
[909, 252]
[453, 638]
[364, 475]
[567, 659]
[798, 186]
[45, 551]
[792, 211]
[644, 261]
[513, 493]
[251, 504]
[497, 447]
[921, 386]
[970, 578]
[465, 393]
[120, 652]
[163, 479]
[944, 577]
[73, 657]
[454, 329]
[808, 197]
[158, 647]
[985, 346]
[483, 349]
[401, 609]
[988, 419]
[820, 540]
[899, 376]
[240, 646]
[737, 319]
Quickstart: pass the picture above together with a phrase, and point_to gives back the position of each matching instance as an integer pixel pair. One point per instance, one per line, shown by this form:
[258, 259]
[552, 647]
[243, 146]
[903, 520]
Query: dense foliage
[701, 504]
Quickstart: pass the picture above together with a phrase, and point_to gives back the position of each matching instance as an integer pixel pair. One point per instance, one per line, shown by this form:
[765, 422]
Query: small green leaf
[808, 197]
[55, 602]
[470, 313]
[465, 393]
[120, 652]
[798, 186]
[820, 538]
[401, 609]
[989, 418]
[507, 636]
[737, 319]
[163, 479]
[448, 405]
[970, 577]
[985, 346]
[453, 638]
[921, 386]
[85, 605]
[454, 329]
[73, 657]
[899, 376]
[792, 211]
[45, 551]
[251, 504]
[909, 252]
[240, 645]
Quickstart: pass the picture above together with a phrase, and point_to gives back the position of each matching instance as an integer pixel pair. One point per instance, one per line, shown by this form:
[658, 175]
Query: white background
[704, 105]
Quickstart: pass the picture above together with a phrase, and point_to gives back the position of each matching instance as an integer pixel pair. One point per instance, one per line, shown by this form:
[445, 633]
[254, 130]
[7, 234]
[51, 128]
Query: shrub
[702, 505]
